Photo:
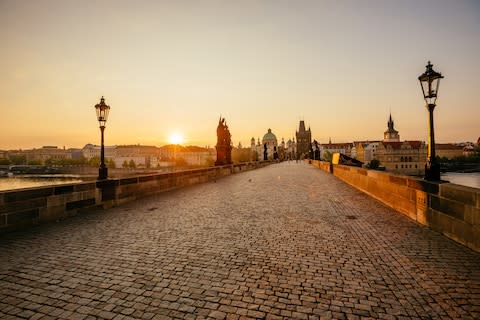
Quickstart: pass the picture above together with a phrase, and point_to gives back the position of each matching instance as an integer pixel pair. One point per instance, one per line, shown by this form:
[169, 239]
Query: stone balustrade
[25, 207]
[450, 209]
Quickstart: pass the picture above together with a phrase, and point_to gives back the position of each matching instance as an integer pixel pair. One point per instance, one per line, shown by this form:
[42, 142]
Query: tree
[81, 161]
[131, 164]
[327, 156]
[209, 162]
[34, 162]
[374, 164]
[5, 162]
[18, 159]
[94, 162]
[110, 163]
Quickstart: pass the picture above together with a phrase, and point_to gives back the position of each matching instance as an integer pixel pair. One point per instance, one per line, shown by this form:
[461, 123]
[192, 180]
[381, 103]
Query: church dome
[269, 137]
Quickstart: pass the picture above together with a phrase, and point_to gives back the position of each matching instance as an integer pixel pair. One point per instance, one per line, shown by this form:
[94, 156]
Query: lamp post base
[432, 172]
[102, 173]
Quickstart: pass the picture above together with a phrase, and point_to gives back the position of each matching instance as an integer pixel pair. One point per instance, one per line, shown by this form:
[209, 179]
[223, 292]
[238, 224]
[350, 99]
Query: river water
[19, 182]
[471, 179]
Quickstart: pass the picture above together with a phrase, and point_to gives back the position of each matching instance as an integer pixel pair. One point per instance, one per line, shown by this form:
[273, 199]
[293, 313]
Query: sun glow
[175, 138]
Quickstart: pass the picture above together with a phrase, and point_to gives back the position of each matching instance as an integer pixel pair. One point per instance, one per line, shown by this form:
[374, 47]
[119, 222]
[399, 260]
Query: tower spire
[390, 122]
[391, 134]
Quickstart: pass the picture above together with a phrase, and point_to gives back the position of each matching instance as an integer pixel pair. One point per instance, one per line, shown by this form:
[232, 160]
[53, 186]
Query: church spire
[391, 135]
[390, 123]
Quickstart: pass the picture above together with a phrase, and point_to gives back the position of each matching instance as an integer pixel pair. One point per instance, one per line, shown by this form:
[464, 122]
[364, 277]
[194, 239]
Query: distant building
[269, 141]
[391, 135]
[366, 151]
[291, 149]
[190, 155]
[449, 150]
[90, 151]
[343, 148]
[48, 153]
[255, 156]
[75, 153]
[281, 150]
[40, 155]
[304, 141]
[142, 156]
[241, 154]
[197, 156]
[407, 157]
[470, 148]
[468, 151]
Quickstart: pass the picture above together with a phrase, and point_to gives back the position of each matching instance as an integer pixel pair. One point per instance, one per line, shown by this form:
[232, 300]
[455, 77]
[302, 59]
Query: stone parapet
[450, 209]
[25, 207]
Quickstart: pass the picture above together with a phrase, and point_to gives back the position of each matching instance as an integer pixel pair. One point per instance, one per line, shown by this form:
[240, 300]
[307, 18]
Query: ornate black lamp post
[102, 115]
[430, 81]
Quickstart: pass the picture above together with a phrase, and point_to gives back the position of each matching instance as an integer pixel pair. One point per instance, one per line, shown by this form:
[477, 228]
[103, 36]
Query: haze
[173, 67]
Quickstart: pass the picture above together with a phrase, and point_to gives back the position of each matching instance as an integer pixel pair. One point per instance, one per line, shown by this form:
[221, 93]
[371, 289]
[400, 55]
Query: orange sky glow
[173, 67]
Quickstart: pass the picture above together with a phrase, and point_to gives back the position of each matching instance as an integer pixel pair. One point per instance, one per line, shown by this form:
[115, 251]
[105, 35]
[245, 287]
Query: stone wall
[450, 209]
[25, 207]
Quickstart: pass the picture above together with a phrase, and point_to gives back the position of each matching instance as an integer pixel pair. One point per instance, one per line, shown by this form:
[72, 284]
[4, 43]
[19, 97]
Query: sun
[175, 138]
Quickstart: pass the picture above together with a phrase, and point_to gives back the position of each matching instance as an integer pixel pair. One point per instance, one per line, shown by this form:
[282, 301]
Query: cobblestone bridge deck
[286, 241]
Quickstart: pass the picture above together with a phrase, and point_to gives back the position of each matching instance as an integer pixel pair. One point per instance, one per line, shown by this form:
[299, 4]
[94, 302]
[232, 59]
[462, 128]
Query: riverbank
[460, 167]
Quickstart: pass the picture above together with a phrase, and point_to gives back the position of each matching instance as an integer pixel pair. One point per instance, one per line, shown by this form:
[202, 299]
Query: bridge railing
[25, 207]
[448, 208]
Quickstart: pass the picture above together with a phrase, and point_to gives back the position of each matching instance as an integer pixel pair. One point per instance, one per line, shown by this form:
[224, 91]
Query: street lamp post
[430, 81]
[102, 115]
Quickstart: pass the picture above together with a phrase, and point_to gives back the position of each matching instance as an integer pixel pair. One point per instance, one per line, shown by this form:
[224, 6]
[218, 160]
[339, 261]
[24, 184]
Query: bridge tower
[304, 140]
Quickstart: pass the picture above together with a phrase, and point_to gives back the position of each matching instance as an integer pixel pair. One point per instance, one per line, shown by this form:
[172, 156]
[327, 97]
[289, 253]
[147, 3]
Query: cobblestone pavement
[286, 241]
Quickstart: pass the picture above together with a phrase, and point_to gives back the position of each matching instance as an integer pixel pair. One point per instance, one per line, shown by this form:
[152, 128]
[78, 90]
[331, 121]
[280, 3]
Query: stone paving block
[284, 242]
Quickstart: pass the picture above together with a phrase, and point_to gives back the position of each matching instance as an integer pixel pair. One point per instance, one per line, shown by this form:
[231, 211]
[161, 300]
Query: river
[19, 182]
[471, 179]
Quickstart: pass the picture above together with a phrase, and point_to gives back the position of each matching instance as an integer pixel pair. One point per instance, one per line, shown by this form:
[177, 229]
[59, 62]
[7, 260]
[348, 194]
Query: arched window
[410, 159]
[401, 159]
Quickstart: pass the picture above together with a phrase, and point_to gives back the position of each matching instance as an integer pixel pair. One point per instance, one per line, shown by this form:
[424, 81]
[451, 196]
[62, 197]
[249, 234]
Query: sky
[176, 66]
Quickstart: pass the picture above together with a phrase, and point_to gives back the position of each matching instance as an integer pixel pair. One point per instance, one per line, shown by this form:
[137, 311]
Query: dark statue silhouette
[316, 152]
[224, 144]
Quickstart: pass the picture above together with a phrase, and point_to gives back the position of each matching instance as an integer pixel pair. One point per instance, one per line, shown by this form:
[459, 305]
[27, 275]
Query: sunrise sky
[173, 67]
